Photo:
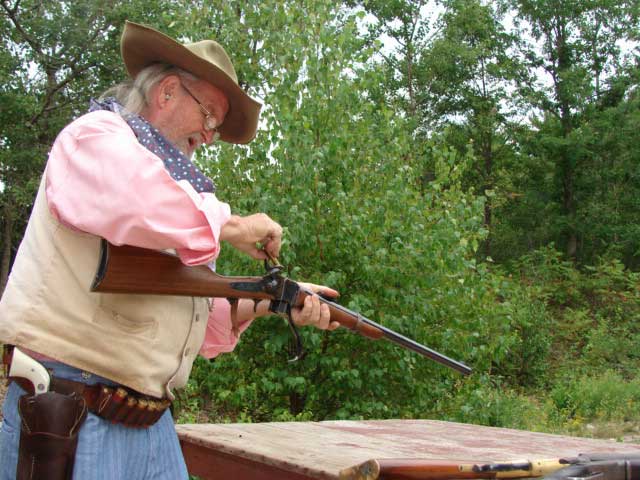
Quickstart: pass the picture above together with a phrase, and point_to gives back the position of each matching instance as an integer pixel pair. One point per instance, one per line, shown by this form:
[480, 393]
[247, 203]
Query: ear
[164, 93]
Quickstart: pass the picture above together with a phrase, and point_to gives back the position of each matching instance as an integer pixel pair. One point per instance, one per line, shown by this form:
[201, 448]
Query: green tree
[466, 75]
[404, 25]
[578, 50]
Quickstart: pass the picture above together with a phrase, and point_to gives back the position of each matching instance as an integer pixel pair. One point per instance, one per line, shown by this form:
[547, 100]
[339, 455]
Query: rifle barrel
[423, 350]
[405, 342]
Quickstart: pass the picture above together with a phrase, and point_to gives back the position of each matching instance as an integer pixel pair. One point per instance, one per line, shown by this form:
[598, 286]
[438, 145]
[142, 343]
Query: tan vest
[146, 342]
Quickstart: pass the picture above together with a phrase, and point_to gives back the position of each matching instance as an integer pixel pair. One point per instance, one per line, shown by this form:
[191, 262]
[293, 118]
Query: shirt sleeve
[100, 180]
[219, 337]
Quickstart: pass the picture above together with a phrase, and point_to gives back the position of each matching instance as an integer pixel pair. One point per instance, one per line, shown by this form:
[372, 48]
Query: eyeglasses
[210, 122]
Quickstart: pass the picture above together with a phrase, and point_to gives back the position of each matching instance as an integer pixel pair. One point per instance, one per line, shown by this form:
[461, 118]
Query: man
[123, 172]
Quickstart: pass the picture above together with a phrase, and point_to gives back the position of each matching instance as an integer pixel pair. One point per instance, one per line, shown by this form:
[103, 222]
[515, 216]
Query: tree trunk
[297, 402]
[567, 168]
[486, 124]
[7, 236]
[488, 174]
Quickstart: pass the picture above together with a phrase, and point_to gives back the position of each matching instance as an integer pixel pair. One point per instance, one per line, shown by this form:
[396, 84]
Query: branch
[390, 60]
[14, 9]
[50, 94]
[57, 106]
[12, 14]
[75, 73]
[91, 38]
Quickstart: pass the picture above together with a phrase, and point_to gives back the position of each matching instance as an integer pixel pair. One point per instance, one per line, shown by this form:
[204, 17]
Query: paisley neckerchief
[176, 163]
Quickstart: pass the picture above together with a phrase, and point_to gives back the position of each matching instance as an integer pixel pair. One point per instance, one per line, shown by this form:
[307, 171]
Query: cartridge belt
[127, 407]
[117, 404]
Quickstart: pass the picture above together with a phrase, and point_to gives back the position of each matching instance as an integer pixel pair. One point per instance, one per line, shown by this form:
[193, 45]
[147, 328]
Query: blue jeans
[106, 451]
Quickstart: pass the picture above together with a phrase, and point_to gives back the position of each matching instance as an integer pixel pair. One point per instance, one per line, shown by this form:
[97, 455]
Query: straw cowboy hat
[141, 46]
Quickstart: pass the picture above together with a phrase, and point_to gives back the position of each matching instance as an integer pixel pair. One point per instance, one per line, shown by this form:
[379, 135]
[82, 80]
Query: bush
[604, 397]
[595, 313]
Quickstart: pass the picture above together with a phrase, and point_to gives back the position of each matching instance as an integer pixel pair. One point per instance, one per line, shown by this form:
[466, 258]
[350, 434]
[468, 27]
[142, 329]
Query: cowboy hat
[141, 46]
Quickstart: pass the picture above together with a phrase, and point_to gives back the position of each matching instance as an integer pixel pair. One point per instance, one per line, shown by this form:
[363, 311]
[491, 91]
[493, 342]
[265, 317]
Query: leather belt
[116, 404]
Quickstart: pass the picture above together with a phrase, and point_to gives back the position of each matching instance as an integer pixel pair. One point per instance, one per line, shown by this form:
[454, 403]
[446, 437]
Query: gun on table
[599, 467]
[134, 270]
[585, 466]
[427, 469]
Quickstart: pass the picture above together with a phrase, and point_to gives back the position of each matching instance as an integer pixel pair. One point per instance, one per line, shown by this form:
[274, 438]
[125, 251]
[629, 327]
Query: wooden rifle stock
[613, 466]
[134, 270]
[127, 269]
[427, 469]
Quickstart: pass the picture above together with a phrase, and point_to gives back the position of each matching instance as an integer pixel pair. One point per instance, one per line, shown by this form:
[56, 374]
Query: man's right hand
[245, 233]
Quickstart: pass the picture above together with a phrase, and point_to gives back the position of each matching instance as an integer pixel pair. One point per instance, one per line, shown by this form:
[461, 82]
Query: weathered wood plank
[320, 450]
[214, 465]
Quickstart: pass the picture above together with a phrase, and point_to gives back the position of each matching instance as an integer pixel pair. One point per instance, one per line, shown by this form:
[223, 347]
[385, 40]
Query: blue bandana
[176, 163]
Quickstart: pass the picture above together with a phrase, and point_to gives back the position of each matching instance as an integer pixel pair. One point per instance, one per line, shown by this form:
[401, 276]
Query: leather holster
[50, 423]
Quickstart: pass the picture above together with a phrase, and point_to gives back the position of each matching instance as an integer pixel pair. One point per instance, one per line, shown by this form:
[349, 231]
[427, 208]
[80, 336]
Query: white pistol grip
[24, 366]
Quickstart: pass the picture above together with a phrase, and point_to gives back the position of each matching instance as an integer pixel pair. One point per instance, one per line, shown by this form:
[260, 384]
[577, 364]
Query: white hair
[133, 95]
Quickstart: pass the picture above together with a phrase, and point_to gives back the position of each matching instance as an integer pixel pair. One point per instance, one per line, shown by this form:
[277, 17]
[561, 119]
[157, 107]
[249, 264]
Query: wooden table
[321, 450]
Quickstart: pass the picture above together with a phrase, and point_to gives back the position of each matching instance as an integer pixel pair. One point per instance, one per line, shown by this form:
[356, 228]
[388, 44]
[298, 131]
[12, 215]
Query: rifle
[135, 270]
[584, 466]
[599, 466]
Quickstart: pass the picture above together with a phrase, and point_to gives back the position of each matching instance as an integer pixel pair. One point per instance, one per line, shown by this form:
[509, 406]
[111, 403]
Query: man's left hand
[314, 312]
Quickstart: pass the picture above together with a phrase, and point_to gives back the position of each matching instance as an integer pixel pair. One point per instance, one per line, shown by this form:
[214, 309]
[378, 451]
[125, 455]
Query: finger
[333, 325]
[320, 313]
[298, 314]
[321, 289]
[325, 317]
[328, 293]
[266, 255]
[257, 253]
[306, 314]
[272, 247]
[314, 314]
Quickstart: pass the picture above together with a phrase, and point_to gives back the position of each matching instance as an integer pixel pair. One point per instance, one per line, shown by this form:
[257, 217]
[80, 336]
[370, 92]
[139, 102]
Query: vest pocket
[109, 316]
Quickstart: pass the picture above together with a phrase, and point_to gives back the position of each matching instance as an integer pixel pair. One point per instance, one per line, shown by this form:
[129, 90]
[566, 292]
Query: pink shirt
[100, 180]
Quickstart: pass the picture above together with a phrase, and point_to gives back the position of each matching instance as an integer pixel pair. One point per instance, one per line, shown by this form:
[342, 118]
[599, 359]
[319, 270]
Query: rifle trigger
[299, 350]
[256, 301]
[235, 324]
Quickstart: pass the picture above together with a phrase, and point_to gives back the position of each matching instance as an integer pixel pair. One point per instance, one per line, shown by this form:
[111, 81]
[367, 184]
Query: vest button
[197, 317]
[187, 352]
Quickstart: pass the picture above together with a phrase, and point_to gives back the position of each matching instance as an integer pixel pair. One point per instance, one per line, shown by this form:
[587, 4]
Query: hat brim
[142, 46]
